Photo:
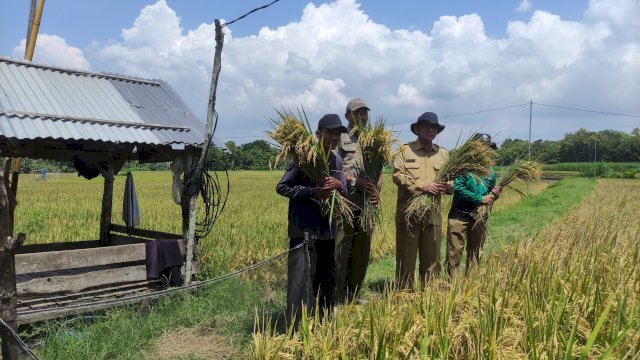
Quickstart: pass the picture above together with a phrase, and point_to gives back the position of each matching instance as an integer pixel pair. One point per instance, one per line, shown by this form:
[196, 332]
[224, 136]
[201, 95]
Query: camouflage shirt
[352, 164]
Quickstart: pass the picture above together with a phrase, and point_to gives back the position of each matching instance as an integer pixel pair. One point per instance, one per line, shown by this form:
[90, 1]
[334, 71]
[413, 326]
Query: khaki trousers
[353, 247]
[422, 241]
[461, 234]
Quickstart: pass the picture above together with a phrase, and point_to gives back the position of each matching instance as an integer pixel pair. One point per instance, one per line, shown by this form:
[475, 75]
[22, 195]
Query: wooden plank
[83, 244]
[27, 303]
[70, 259]
[33, 316]
[151, 234]
[68, 245]
[85, 300]
[78, 282]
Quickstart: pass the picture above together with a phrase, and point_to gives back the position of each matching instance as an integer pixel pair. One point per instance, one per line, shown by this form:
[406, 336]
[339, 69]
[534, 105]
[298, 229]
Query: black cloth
[308, 278]
[164, 260]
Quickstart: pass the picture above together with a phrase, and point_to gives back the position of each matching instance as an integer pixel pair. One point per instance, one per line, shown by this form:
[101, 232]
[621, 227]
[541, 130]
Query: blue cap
[331, 121]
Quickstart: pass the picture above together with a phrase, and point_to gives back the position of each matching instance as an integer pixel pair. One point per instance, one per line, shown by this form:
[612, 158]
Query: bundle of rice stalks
[375, 143]
[298, 144]
[473, 157]
[520, 170]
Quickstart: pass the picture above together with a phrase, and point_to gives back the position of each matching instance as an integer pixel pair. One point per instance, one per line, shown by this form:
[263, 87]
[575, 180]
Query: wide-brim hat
[428, 117]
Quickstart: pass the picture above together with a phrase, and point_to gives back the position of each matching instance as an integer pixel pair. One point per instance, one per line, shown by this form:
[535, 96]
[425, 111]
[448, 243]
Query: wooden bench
[58, 274]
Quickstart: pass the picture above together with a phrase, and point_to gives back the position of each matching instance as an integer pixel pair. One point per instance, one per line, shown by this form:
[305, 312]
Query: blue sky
[403, 57]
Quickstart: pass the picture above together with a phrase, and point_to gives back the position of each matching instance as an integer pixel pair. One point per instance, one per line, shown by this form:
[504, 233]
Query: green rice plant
[298, 143]
[375, 143]
[473, 156]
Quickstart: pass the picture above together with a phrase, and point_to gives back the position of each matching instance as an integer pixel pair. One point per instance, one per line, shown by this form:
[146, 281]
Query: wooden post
[8, 292]
[194, 184]
[107, 203]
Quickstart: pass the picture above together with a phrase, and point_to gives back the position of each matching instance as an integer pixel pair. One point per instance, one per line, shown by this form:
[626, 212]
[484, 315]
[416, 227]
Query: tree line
[579, 146]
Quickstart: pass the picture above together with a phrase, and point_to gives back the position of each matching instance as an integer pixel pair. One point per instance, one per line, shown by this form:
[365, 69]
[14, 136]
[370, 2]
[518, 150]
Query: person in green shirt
[469, 192]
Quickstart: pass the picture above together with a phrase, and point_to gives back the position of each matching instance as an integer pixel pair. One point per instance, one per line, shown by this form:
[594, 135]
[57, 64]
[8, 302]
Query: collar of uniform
[417, 145]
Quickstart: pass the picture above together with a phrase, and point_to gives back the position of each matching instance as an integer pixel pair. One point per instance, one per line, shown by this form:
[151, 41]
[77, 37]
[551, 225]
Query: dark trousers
[309, 275]
[353, 247]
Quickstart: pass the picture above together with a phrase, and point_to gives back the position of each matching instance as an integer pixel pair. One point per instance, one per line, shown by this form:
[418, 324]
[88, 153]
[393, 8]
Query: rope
[22, 344]
[195, 286]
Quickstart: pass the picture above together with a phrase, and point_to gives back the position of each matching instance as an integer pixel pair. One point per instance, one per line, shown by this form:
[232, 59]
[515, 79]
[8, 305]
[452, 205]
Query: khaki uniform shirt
[414, 166]
[353, 165]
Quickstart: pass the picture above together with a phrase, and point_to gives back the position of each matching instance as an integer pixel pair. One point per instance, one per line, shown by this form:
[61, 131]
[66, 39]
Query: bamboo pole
[34, 20]
[33, 35]
[196, 175]
[32, 15]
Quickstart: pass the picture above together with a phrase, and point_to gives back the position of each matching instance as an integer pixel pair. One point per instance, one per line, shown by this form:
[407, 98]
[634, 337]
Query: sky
[456, 58]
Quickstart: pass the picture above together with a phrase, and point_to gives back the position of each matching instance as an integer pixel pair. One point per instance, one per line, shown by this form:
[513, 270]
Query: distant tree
[579, 146]
[254, 155]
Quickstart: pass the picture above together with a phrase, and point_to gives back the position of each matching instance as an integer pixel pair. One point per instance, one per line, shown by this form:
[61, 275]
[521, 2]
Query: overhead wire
[585, 110]
[249, 13]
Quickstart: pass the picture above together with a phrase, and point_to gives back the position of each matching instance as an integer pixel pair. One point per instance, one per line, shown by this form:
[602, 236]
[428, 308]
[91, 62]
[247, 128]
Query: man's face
[329, 138]
[360, 116]
[427, 131]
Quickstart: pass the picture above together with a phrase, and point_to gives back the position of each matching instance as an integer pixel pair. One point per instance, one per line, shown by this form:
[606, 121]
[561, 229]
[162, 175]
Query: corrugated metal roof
[44, 102]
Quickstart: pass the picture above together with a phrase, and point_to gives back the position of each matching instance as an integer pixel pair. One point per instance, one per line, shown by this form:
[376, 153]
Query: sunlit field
[252, 227]
[572, 291]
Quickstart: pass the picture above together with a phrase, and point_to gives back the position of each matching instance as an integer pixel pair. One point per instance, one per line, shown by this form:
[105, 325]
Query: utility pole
[200, 166]
[529, 152]
[595, 153]
[530, 118]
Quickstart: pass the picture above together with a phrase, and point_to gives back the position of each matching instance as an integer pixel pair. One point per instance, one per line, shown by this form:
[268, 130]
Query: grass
[570, 291]
[511, 219]
[530, 216]
[215, 322]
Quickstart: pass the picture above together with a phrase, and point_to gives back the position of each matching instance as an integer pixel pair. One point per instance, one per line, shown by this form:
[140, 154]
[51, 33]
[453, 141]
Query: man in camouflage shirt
[353, 244]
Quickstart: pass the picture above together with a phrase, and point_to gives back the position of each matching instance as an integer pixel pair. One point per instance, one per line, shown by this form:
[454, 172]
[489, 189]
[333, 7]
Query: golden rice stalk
[298, 144]
[520, 170]
[472, 156]
[375, 144]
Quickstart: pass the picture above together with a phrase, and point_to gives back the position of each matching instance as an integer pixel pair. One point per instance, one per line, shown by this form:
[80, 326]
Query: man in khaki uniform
[353, 244]
[415, 169]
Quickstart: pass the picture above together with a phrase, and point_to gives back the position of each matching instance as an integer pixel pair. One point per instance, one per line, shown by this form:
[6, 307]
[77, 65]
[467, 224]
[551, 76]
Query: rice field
[252, 227]
[571, 291]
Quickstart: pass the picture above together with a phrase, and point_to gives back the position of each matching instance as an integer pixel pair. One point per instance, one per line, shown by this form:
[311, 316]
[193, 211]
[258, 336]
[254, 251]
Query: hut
[98, 121]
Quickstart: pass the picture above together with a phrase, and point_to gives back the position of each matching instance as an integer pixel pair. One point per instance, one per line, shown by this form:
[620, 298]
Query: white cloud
[524, 6]
[335, 52]
[54, 50]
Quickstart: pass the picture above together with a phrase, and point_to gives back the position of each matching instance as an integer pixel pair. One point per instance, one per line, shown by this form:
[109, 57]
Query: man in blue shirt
[469, 192]
[315, 275]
